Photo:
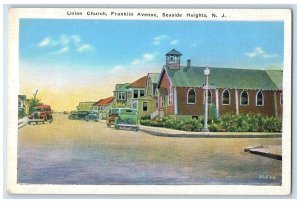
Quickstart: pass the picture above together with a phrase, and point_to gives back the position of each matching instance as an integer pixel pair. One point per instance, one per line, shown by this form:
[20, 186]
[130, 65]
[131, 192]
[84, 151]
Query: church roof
[226, 78]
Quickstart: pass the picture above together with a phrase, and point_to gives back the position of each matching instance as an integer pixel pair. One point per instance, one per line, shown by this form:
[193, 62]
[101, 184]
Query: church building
[181, 90]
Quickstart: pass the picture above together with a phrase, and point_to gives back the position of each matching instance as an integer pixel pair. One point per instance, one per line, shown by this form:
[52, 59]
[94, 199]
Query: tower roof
[174, 52]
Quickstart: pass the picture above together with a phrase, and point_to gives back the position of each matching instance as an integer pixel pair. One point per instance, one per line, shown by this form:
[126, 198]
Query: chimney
[188, 65]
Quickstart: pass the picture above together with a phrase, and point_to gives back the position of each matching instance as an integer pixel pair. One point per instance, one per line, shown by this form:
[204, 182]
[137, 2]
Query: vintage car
[127, 118]
[92, 116]
[78, 115]
[41, 113]
[112, 114]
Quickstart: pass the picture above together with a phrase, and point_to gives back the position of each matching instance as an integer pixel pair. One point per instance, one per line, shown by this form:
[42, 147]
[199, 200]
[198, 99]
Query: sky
[70, 61]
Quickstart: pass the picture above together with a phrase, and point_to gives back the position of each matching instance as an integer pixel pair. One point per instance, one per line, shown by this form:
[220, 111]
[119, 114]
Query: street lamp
[206, 73]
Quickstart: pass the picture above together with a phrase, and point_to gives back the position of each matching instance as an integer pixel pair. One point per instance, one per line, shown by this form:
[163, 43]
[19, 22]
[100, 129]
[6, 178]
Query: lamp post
[206, 73]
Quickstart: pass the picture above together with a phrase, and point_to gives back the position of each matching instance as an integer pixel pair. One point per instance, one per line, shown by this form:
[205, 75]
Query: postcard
[149, 101]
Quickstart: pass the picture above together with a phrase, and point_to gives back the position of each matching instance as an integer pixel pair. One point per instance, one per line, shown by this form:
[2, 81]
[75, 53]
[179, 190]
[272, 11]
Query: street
[80, 152]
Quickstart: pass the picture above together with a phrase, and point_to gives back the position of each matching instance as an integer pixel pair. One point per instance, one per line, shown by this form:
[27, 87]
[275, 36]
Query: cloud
[45, 42]
[158, 39]
[146, 57]
[259, 52]
[116, 69]
[76, 39]
[61, 51]
[85, 48]
[164, 38]
[66, 43]
[269, 55]
[135, 62]
[64, 40]
[174, 42]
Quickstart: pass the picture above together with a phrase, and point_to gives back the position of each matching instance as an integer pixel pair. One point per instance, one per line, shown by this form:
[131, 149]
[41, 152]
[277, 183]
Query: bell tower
[173, 59]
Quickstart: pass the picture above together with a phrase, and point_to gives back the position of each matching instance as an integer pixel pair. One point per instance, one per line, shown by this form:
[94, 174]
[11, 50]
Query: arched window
[259, 99]
[209, 97]
[191, 96]
[244, 98]
[170, 96]
[225, 97]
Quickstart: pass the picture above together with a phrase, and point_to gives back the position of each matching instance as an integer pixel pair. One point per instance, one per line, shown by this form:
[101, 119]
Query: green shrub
[225, 123]
[187, 127]
[214, 127]
[146, 117]
[248, 123]
[173, 123]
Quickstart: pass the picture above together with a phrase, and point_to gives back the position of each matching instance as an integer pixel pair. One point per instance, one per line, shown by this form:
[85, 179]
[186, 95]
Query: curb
[20, 125]
[255, 150]
[211, 135]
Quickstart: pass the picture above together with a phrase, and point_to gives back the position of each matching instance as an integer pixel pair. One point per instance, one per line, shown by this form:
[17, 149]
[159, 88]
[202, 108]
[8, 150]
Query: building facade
[85, 106]
[102, 104]
[23, 107]
[120, 93]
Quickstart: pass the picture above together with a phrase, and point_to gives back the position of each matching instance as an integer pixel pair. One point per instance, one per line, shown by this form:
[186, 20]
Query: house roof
[226, 78]
[42, 106]
[174, 52]
[154, 77]
[22, 97]
[104, 102]
[139, 83]
[121, 87]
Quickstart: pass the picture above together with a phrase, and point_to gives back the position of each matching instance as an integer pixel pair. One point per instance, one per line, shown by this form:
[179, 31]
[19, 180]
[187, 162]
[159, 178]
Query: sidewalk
[270, 151]
[165, 132]
[22, 122]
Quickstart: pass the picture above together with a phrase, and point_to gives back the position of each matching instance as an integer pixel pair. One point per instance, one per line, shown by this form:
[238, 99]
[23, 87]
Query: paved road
[79, 152]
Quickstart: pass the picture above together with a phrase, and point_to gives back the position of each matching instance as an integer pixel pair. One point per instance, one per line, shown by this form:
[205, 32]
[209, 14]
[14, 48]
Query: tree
[32, 103]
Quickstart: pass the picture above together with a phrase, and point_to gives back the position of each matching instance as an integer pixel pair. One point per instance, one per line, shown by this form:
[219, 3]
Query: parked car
[112, 114]
[41, 113]
[127, 118]
[92, 116]
[78, 115]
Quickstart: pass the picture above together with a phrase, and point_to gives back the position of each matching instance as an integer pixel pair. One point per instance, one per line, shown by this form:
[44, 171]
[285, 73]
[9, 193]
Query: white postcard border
[231, 15]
